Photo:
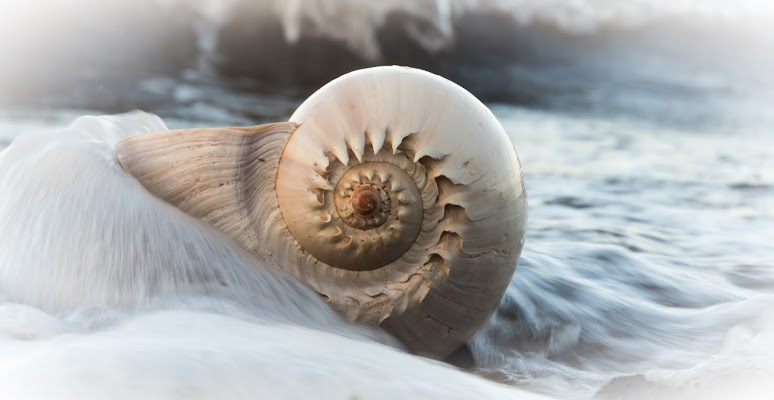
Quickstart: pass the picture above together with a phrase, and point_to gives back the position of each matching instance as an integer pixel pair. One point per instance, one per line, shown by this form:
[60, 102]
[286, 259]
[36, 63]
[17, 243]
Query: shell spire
[398, 197]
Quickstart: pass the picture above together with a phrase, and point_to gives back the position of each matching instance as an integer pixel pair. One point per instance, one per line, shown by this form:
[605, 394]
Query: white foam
[195, 355]
[106, 291]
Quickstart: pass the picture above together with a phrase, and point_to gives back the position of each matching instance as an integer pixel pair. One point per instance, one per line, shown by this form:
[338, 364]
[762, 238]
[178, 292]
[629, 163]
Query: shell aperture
[398, 197]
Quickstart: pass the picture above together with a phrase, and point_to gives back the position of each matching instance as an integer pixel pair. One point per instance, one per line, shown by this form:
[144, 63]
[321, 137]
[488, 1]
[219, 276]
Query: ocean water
[646, 134]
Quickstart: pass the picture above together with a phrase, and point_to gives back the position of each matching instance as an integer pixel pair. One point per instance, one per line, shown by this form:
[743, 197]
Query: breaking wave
[566, 54]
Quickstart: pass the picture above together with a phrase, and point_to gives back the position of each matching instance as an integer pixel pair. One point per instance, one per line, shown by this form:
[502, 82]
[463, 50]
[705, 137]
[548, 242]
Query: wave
[529, 52]
[105, 288]
[432, 24]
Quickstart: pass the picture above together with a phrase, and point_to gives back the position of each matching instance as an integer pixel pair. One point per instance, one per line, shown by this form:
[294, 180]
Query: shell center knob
[365, 200]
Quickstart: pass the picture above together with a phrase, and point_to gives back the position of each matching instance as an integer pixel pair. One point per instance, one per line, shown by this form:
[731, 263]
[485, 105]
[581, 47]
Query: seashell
[392, 192]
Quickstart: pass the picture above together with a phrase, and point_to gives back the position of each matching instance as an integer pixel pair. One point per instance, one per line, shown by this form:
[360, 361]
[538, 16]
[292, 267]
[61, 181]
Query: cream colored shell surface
[447, 283]
[429, 265]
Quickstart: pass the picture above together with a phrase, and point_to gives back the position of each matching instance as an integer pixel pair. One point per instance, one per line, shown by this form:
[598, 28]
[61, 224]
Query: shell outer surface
[393, 193]
[406, 200]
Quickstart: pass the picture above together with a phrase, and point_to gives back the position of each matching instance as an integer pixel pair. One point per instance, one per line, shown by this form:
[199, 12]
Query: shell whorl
[366, 217]
[393, 193]
[432, 277]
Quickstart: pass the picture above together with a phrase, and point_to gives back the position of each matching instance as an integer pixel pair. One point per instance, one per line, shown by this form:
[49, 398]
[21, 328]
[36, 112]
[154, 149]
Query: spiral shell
[398, 197]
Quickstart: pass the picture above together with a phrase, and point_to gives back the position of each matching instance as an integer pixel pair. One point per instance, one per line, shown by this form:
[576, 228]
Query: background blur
[603, 56]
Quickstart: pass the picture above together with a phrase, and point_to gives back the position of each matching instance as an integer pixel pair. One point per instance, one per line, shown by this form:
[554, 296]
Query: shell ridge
[436, 291]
